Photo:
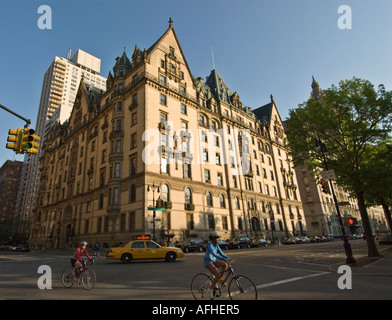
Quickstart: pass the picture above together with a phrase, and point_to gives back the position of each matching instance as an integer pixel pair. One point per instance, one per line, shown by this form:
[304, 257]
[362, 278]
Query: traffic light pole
[347, 247]
[28, 122]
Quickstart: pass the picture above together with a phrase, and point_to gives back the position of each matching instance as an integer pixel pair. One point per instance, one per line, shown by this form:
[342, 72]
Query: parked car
[385, 238]
[224, 245]
[240, 242]
[21, 248]
[290, 240]
[305, 240]
[315, 239]
[192, 244]
[259, 243]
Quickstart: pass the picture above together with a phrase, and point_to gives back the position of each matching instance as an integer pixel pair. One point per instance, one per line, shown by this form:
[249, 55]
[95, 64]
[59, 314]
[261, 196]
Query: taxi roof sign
[141, 237]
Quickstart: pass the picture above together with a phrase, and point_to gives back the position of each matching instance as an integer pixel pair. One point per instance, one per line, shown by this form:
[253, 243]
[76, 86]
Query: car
[291, 240]
[192, 244]
[240, 242]
[305, 240]
[315, 239]
[223, 244]
[22, 248]
[259, 243]
[144, 250]
[385, 238]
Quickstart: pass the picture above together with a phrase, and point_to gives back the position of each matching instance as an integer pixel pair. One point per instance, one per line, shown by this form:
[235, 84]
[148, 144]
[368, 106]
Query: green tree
[348, 119]
[379, 178]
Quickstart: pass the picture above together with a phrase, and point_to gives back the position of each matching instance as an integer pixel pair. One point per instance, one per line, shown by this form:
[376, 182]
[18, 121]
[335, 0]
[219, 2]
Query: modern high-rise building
[160, 138]
[59, 88]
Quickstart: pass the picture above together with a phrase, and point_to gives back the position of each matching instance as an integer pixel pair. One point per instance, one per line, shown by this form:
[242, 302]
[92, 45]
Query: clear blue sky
[260, 47]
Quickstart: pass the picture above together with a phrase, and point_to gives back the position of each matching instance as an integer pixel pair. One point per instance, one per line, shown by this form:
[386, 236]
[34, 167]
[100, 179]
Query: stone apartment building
[160, 137]
[10, 173]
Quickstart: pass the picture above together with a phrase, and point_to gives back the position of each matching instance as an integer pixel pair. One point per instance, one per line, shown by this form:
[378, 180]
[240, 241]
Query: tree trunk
[372, 249]
[387, 214]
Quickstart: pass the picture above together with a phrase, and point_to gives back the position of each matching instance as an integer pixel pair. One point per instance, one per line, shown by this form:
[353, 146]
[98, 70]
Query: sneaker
[211, 293]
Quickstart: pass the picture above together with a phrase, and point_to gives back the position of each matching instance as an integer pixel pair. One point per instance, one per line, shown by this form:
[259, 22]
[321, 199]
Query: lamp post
[347, 247]
[153, 188]
[272, 219]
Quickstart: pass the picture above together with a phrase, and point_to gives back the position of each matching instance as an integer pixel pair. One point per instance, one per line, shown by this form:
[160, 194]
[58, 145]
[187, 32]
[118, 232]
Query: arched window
[214, 125]
[203, 121]
[165, 193]
[188, 196]
[255, 222]
[237, 203]
[209, 199]
[222, 201]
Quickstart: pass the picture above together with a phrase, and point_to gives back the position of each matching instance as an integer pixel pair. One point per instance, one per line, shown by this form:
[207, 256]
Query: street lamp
[272, 219]
[347, 247]
[153, 188]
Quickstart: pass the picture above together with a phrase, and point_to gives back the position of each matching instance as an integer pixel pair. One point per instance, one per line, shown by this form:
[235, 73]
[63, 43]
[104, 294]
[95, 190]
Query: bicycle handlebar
[89, 261]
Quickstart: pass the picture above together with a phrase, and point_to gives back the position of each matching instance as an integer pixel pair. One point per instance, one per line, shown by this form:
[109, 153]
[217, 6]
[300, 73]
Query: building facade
[10, 173]
[59, 88]
[158, 137]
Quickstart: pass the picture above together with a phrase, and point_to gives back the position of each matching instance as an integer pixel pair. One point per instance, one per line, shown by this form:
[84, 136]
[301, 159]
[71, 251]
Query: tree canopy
[348, 119]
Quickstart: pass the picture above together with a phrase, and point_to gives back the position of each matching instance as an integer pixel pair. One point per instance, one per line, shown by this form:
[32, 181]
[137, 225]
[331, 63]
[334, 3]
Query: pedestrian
[96, 248]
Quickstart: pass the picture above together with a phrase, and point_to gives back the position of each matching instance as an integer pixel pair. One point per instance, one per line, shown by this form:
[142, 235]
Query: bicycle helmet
[214, 235]
[83, 243]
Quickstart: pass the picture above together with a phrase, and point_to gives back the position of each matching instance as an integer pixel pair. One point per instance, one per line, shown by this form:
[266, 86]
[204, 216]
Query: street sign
[327, 175]
[155, 209]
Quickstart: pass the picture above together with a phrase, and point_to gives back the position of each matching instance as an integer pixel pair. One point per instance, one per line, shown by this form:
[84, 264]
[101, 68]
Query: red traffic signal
[324, 186]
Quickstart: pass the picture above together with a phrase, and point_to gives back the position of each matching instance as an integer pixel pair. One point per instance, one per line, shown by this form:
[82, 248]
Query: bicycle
[239, 287]
[86, 276]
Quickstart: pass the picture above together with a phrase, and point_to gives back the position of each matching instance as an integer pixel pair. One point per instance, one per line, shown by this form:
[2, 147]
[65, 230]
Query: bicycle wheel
[68, 277]
[242, 288]
[200, 285]
[88, 279]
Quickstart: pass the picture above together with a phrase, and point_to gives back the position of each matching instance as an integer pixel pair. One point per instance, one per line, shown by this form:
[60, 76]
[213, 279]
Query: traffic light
[159, 203]
[16, 140]
[351, 222]
[30, 141]
[323, 186]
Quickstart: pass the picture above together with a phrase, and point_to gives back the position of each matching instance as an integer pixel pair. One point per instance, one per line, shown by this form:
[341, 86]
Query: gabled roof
[156, 43]
[88, 93]
[263, 113]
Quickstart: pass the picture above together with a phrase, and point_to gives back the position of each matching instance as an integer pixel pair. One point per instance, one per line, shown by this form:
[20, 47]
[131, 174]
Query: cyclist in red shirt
[78, 256]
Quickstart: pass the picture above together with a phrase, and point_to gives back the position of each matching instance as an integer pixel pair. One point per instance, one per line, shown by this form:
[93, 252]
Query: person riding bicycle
[214, 258]
[78, 256]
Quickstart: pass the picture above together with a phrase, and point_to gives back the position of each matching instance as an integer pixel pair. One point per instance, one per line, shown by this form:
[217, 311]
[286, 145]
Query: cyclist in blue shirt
[214, 259]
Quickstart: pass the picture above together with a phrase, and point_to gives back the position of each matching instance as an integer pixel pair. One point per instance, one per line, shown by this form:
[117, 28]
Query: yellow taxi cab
[141, 247]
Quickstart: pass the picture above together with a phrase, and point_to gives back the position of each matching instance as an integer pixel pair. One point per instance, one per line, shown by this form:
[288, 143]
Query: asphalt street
[297, 272]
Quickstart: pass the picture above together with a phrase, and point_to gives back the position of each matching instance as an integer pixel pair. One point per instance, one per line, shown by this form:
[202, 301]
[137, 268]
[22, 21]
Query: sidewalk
[373, 267]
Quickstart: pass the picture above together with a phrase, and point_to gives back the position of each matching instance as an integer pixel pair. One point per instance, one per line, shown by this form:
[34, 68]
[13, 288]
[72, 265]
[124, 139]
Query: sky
[259, 47]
